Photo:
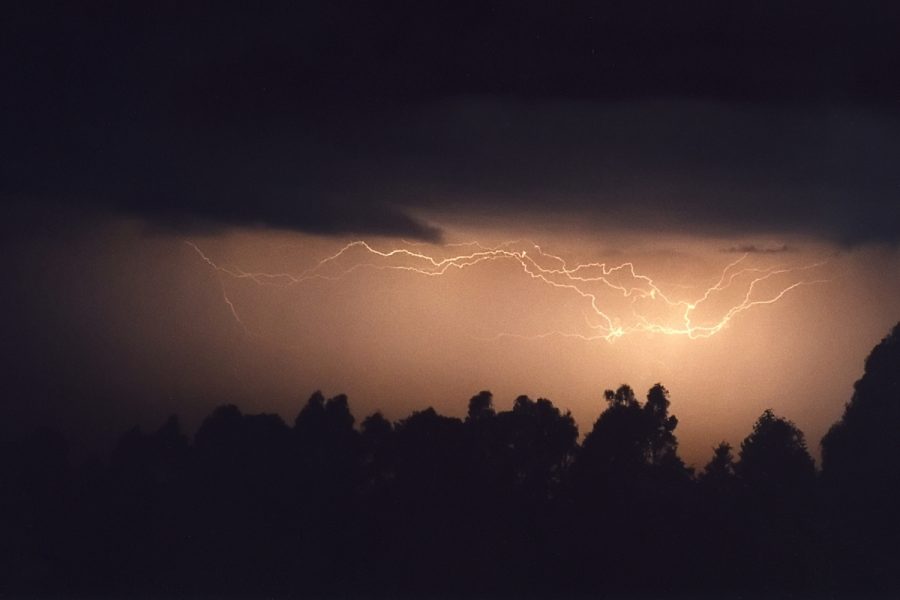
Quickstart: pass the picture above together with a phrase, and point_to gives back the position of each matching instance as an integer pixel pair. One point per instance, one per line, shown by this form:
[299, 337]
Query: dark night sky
[335, 117]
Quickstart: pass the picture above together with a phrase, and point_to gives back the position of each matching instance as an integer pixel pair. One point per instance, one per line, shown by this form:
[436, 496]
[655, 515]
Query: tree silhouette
[239, 484]
[628, 471]
[778, 479]
[774, 460]
[662, 445]
[501, 503]
[630, 438]
[861, 472]
[722, 535]
[535, 443]
[376, 442]
[719, 472]
[481, 406]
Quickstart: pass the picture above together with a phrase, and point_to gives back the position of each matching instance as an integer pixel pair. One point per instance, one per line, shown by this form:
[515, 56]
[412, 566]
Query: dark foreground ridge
[498, 504]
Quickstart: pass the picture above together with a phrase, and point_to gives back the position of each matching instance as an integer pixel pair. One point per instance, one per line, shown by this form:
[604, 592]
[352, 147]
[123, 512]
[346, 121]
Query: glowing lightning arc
[574, 279]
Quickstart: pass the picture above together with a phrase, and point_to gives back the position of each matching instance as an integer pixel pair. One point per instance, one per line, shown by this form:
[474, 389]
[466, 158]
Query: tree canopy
[500, 502]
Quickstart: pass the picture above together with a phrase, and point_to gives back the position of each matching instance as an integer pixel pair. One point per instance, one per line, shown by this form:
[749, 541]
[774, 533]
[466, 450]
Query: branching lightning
[585, 280]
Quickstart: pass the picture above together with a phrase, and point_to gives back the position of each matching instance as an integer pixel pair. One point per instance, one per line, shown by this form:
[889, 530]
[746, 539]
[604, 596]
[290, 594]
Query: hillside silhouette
[501, 503]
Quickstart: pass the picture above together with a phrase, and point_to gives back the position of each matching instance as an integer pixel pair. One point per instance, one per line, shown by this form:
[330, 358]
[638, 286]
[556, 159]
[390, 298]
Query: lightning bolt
[551, 270]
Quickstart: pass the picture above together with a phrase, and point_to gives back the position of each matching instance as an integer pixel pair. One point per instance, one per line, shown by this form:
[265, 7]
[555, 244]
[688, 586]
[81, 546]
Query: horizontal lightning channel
[575, 279]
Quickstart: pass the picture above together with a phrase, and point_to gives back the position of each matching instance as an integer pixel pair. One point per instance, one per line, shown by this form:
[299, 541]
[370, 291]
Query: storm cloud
[393, 121]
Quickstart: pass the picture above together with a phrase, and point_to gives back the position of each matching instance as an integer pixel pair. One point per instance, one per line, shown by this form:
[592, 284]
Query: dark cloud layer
[754, 249]
[338, 118]
[698, 167]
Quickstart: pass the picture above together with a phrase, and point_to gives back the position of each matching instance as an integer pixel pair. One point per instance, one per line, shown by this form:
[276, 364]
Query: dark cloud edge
[53, 217]
[756, 249]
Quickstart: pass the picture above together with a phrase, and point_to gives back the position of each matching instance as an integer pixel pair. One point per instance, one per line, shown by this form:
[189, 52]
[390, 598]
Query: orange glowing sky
[395, 339]
[131, 326]
[136, 325]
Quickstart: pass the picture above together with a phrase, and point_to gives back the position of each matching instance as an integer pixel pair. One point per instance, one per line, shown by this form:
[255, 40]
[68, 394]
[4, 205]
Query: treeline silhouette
[501, 503]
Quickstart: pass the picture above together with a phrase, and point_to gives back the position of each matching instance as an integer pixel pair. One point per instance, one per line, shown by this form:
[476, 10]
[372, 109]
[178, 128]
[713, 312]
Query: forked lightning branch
[748, 286]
